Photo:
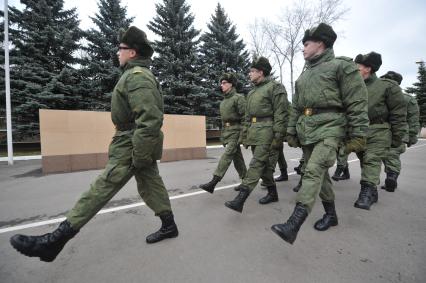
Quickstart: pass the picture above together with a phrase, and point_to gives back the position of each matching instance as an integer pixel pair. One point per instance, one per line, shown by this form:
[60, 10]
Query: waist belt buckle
[227, 124]
[253, 119]
[308, 112]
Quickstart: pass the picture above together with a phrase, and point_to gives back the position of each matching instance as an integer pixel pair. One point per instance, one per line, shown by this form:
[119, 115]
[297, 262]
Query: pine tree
[45, 38]
[176, 64]
[101, 67]
[419, 90]
[221, 52]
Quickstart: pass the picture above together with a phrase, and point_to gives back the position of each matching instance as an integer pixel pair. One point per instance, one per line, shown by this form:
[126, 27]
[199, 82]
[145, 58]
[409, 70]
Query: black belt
[125, 126]
[377, 121]
[230, 123]
[261, 119]
[313, 111]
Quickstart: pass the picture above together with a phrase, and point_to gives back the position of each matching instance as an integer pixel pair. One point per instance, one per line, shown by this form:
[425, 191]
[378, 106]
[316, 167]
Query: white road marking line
[118, 208]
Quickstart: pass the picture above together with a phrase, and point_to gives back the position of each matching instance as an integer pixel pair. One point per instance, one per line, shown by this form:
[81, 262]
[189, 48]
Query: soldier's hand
[355, 144]
[293, 141]
[396, 142]
[277, 143]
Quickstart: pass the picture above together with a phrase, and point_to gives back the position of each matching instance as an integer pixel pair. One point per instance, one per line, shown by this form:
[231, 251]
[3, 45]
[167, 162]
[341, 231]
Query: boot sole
[390, 185]
[174, 235]
[362, 207]
[233, 208]
[282, 236]
[212, 191]
[44, 258]
[275, 200]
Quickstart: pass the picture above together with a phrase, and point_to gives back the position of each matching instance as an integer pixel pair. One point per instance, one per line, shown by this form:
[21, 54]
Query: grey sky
[390, 27]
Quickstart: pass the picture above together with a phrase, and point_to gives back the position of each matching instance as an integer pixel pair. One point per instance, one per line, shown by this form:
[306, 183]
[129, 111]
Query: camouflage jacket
[137, 106]
[386, 106]
[266, 114]
[412, 118]
[232, 109]
[335, 86]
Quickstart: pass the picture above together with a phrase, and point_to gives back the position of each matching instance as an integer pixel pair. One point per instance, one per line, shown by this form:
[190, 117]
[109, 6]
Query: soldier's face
[255, 75]
[312, 48]
[125, 53]
[364, 71]
[225, 86]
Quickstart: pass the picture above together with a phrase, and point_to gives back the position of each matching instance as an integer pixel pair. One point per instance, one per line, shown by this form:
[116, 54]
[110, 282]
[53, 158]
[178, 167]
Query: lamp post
[7, 84]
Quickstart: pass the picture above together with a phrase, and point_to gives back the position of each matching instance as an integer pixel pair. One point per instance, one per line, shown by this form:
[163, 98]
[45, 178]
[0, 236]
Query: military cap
[136, 39]
[372, 59]
[322, 32]
[230, 78]
[393, 76]
[262, 64]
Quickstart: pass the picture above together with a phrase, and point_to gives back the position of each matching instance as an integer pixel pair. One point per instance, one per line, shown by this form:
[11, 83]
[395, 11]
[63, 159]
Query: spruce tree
[45, 38]
[222, 51]
[419, 90]
[100, 64]
[176, 64]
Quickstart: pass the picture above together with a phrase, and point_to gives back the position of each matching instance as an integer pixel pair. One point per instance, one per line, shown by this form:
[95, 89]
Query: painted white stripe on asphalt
[118, 208]
[18, 158]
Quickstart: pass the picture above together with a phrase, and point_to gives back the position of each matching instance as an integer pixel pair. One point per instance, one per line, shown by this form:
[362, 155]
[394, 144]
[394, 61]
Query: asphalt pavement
[216, 244]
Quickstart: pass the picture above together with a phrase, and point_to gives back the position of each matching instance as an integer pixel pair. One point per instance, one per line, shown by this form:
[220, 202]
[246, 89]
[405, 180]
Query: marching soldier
[393, 162]
[387, 113]
[137, 113]
[265, 123]
[330, 103]
[232, 110]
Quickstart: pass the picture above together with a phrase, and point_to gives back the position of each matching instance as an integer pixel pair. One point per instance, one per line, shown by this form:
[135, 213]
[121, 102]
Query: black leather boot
[272, 195]
[298, 169]
[298, 186]
[337, 173]
[346, 175]
[282, 177]
[209, 187]
[329, 218]
[168, 229]
[391, 181]
[367, 196]
[46, 246]
[237, 203]
[288, 231]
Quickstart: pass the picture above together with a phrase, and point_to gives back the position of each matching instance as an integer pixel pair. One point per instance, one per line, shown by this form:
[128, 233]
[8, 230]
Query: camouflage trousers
[319, 157]
[117, 173]
[262, 165]
[392, 161]
[282, 163]
[232, 154]
[342, 156]
[378, 145]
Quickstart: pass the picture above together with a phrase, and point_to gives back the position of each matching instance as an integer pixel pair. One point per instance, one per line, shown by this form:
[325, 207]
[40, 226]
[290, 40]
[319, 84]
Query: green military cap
[322, 32]
[136, 39]
[372, 59]
[229, 77]
[262, 64]
[393, 76]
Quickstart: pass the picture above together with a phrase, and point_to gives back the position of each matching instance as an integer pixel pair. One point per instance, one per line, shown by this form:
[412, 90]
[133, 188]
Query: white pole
[7, 83]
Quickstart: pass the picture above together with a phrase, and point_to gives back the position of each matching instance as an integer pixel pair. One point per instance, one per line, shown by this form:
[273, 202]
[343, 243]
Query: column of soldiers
[340, 106]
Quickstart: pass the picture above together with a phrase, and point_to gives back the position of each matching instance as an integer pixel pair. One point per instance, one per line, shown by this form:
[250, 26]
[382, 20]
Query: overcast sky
[390, 27]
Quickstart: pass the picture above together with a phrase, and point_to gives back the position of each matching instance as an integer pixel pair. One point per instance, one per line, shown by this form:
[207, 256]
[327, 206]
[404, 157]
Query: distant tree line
[54, 64]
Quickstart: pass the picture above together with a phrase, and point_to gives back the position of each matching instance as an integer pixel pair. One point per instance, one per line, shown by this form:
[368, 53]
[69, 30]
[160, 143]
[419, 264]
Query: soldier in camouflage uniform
[137, 113]
[393, 162]
[264, 130]
[387, 113]
[232, 110]
[342, 168]
[330, 105]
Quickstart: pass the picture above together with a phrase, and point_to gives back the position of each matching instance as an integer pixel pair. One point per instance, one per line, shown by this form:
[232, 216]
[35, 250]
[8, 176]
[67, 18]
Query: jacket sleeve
[294, 114]
[280, 107]
[397, 112]
[241, 109]
[144, 100]
[413, 119]
[354, 97]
